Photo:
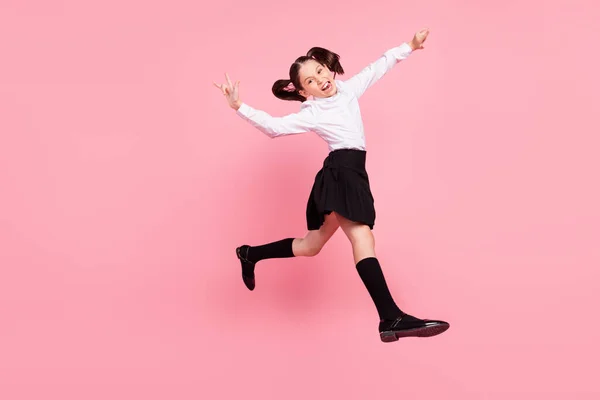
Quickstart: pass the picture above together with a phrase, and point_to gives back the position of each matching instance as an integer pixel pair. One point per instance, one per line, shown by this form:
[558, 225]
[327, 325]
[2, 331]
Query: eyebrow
[318, 66]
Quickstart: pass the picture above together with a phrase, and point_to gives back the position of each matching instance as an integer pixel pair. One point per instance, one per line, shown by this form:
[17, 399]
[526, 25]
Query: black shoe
[247, 267]
[407, 325]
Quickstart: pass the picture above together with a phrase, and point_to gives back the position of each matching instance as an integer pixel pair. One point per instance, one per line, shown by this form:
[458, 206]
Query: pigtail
[284, 89]
[327, 58]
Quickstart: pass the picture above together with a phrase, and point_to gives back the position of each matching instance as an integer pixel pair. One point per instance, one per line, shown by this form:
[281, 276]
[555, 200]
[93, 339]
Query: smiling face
[316, 80]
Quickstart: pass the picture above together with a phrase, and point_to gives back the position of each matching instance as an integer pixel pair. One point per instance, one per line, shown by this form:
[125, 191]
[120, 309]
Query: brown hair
[281, 88]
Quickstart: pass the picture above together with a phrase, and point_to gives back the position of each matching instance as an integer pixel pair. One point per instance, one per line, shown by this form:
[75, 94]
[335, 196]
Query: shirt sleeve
[360, 82]
[300, 122]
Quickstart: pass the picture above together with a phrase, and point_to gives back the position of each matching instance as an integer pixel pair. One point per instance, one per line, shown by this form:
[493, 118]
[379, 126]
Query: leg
[360, 236]
[363, 246]
[311, 244]
[308, 246]
[394, 323]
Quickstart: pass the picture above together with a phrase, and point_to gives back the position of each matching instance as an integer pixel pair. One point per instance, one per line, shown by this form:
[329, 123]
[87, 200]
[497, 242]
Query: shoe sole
[428, 331]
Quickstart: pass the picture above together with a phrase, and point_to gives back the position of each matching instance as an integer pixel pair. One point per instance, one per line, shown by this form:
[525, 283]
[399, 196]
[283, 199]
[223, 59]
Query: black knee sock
[372, 276]
[279, 249]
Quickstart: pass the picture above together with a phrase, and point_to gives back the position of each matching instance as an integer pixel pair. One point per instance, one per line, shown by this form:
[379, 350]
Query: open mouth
[326, 86]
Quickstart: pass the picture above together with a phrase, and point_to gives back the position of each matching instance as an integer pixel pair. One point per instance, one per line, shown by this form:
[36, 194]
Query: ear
[303, 93]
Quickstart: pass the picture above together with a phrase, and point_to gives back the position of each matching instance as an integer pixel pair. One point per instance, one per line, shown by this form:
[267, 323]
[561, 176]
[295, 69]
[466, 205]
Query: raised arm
[300, 122]
[366, 78]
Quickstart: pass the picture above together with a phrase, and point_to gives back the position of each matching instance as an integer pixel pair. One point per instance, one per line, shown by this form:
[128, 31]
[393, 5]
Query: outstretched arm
[366, 78]
[273, 127]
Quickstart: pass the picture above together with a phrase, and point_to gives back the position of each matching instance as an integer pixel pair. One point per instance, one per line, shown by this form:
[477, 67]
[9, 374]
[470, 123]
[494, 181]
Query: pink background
[126, 183]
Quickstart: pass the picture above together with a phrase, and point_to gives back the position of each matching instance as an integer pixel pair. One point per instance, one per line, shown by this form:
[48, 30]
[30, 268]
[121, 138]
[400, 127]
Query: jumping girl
[341, 194]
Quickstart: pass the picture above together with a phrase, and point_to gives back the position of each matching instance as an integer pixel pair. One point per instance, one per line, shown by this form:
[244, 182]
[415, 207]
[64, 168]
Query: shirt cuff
[244, 110]
[402, 51]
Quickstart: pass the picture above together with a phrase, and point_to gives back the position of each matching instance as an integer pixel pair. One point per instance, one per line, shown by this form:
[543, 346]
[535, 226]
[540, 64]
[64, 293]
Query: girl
[341, 195]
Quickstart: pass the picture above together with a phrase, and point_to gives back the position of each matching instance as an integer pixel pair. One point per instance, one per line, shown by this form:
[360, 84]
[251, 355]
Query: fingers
[229, 88]
[219, 86]
[222, 87]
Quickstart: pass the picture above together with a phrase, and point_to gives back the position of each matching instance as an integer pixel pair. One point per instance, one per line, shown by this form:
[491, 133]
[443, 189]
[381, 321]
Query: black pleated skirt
[342, 185]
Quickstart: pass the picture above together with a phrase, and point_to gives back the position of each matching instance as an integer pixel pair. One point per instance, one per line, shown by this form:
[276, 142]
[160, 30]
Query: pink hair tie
[290, 87]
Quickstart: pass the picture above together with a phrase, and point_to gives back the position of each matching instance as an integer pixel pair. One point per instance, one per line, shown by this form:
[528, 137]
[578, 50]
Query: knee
[308, 247]
[312, 251]
[363, 235]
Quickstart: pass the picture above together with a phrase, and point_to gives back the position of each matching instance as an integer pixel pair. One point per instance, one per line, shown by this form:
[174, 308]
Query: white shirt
[336, 119]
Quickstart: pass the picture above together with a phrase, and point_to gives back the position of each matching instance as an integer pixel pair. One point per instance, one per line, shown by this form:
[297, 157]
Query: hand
[231, 92]
[417, 42]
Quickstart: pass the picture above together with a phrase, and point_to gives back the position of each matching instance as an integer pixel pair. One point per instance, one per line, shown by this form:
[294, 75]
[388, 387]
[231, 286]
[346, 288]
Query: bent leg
[311, 244]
